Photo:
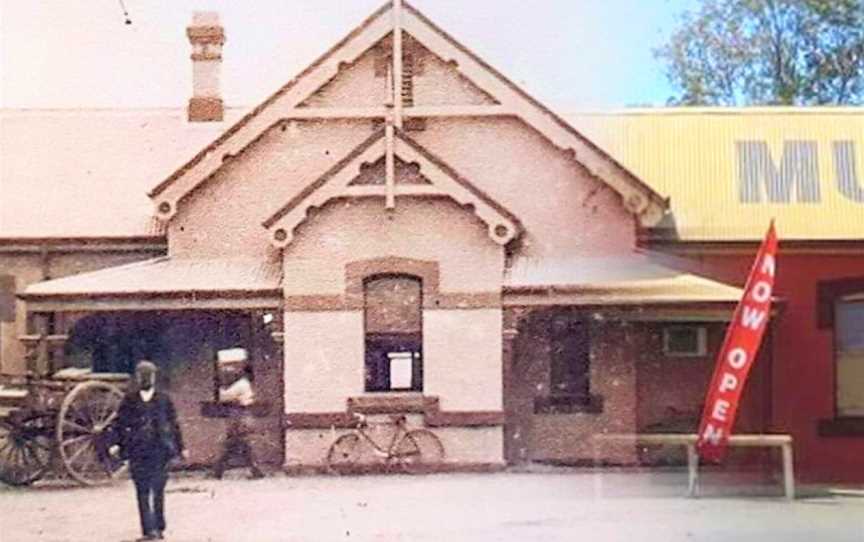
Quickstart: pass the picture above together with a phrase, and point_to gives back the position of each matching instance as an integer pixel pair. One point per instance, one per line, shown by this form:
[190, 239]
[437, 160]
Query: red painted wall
[802, 372]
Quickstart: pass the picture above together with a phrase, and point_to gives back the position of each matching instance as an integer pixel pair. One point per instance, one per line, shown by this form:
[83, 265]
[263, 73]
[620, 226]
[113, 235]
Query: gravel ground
[544, 506]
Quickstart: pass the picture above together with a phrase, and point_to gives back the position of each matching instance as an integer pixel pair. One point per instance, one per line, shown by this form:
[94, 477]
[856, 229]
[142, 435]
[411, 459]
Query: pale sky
[570, 54]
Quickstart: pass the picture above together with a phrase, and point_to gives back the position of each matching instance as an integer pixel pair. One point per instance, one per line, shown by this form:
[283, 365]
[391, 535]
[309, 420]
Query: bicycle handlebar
[397, 419]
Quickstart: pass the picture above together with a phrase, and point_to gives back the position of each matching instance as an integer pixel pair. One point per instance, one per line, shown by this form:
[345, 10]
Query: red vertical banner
[739, 350]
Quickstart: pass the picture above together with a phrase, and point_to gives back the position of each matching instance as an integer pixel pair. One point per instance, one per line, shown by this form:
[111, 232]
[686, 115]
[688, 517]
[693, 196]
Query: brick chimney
[206, 36]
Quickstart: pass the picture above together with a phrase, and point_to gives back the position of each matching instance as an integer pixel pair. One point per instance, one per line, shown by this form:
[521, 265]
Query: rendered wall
[462, 352]
[430, 230]
[324, 349]
[223, 217]
[566, 212]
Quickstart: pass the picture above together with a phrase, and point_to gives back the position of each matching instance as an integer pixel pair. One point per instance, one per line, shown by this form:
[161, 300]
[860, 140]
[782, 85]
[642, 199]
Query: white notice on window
[400, 370]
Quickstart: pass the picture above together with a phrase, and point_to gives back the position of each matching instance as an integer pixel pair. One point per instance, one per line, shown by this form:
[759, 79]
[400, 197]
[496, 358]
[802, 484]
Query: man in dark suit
[149, 436]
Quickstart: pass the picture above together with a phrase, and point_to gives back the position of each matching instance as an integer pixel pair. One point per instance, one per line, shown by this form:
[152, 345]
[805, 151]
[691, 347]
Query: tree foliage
[789, 52]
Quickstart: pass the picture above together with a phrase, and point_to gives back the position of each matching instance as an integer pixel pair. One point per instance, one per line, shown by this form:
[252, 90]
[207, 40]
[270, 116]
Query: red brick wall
[671, 390]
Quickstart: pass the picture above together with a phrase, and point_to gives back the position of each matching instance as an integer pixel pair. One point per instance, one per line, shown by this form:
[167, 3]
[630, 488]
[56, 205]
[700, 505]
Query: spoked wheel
[25, 449]
[84, 432]
[344, 454]
[419, 451]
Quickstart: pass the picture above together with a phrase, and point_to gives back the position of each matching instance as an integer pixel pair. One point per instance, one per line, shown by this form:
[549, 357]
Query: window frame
[701, 350]
[8, 288]
[855, 298]
[417, 376]
[830, 295]
[568, 403]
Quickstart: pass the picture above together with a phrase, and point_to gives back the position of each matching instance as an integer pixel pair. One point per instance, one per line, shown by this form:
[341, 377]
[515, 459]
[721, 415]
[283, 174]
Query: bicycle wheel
[419, 451]
[344, 454]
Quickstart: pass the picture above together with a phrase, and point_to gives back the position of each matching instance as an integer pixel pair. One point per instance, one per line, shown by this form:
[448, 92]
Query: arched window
[394, 333]
[849, 348]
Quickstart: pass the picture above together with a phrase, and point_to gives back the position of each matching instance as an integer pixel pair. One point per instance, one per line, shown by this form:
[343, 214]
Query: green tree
[777, 52]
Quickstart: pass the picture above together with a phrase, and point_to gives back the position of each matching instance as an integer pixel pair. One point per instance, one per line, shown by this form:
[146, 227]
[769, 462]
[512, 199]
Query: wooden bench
[688, 440]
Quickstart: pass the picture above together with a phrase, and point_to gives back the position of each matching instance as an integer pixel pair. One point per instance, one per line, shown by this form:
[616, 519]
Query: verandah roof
[169, 283]
[166, 282]
[635, 279]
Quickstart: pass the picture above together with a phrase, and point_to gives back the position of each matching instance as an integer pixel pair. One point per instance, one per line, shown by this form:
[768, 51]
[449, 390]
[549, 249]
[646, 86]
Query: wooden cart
[62, 422]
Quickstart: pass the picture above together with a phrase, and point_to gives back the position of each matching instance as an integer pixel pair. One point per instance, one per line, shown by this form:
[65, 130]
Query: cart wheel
[84, 432]
[25, 450]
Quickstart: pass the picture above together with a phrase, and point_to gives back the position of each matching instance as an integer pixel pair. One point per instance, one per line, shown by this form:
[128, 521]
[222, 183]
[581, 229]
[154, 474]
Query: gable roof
[85, 173]
[503, 226]
[637, 196]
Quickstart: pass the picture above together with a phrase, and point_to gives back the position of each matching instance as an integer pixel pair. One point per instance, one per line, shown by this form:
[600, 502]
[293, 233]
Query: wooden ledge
[387, 403]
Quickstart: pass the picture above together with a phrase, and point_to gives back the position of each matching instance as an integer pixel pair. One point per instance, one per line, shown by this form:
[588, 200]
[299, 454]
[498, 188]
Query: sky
[570, 54]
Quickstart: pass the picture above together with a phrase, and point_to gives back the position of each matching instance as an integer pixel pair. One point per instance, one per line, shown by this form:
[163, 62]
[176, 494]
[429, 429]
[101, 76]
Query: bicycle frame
[398, 434]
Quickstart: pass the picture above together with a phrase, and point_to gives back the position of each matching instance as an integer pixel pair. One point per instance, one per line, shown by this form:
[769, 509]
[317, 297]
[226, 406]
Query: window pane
[850, 358]
[401, 369]
[684, 340]
[850, 383]
[393, 305]
[850, 325]
[569, 369]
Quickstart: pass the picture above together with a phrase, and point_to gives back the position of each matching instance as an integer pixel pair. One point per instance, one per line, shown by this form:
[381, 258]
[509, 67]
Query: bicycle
[414, 450]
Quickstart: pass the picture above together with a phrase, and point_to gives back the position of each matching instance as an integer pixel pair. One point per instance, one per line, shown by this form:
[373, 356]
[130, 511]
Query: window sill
[568, 404]
[842, 427]
[391, 403]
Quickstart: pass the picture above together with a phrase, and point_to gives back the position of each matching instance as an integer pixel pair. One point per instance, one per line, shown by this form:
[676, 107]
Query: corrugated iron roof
[617, 280]
[86, 173]
[692, 156]
[166, 275]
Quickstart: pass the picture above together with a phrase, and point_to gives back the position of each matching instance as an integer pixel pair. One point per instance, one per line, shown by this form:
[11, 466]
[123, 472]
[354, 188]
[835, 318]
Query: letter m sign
[760, 179]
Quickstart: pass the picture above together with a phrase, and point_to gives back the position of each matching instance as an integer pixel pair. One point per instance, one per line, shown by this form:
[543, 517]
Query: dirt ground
[534, 506]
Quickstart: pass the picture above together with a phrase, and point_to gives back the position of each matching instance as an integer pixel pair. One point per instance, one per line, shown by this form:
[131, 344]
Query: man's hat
[145, 367]
[232, 356]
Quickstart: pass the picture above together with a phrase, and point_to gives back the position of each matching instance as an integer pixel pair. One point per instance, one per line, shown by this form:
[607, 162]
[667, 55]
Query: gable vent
[408, 81]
